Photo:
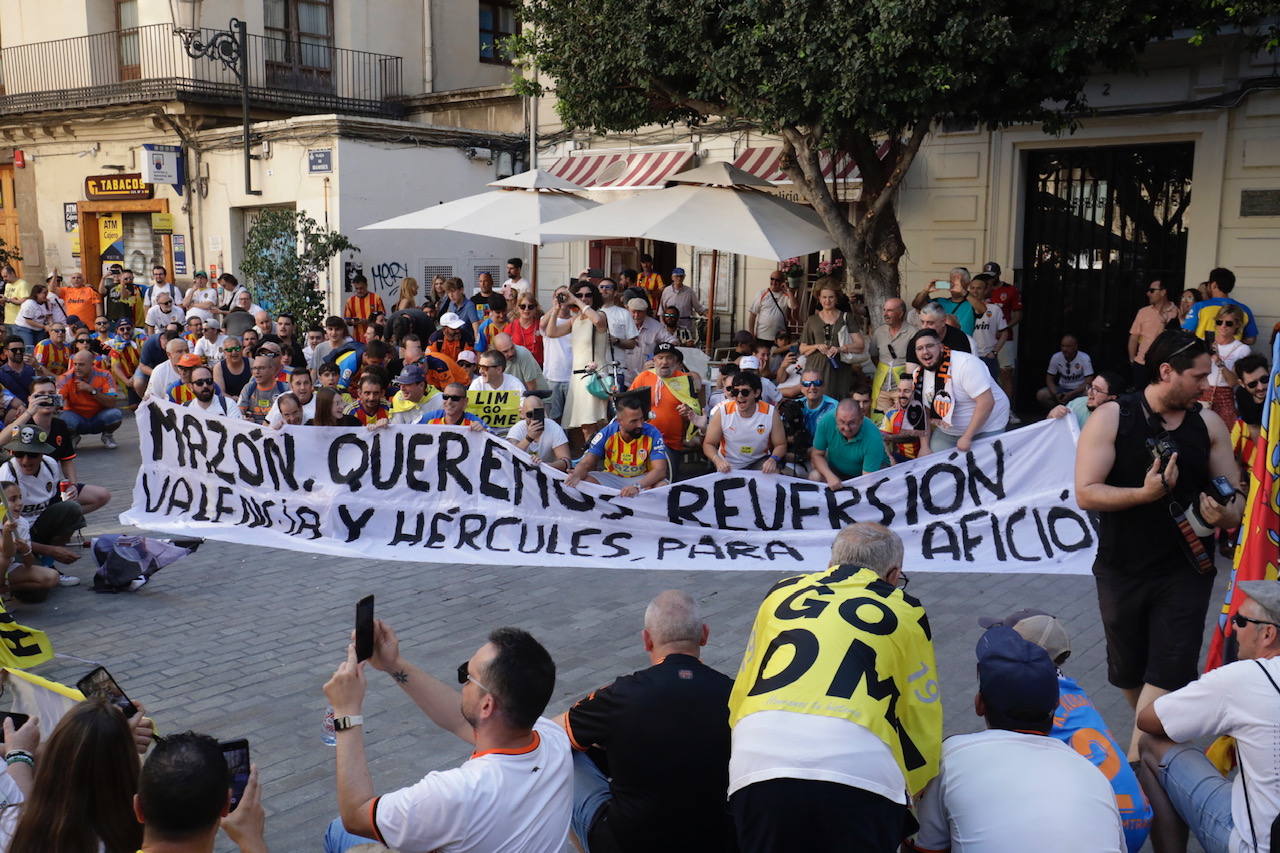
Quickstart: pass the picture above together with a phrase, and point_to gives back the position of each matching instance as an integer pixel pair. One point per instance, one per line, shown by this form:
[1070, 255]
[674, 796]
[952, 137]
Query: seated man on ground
[45, 410]
[90, 404]
[847, 445]
[53, 520]
[1237, 699]
[539, 436]
[453, 409]
[1068, 375]
[257, 397]
[516, 790]
[1060, 803]
[184, 798]
[209, 398]
[304, 394]
[744, 432]
[651, 749]
[180, 391]
[1078, 724]
[629, 450]
[1102, 388]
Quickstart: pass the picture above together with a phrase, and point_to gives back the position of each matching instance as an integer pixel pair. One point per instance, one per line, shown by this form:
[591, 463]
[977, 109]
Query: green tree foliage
[283, 256]
[833, 74]
[8, 254]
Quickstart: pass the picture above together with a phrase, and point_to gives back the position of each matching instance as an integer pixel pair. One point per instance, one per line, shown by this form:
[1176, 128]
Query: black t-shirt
[1248, 409]
[665, 733]
[60, 437]
[481, 301]
[954, 338]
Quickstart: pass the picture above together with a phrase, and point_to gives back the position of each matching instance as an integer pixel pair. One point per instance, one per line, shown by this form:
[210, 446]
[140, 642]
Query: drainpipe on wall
[428, 50]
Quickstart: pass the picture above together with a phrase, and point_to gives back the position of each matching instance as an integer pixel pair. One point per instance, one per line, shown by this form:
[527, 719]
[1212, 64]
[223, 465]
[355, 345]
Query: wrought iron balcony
[149, 63]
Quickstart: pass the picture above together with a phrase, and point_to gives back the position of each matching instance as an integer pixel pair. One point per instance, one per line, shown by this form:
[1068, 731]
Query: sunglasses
[100, 322]
[1256, 383]
[232, 349]
[607, 287]
[266, 351]
[1225, 322]
[584, 294]
[58, 331]
[812, 383]
[1240, 621]
[17, 350]
[464, 676]
[741, 392]
[527, 307]
[200, 383]
[82, 340]
[18, 454]
[453, 398]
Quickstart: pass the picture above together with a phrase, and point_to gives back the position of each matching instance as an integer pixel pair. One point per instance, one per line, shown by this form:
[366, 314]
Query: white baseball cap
[452, 320]
[749, 362]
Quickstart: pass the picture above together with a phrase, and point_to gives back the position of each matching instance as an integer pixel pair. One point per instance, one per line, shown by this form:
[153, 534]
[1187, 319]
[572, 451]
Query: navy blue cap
[1015, 676]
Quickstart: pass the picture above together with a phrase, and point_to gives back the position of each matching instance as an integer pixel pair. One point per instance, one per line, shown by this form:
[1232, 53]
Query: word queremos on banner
[449, 495]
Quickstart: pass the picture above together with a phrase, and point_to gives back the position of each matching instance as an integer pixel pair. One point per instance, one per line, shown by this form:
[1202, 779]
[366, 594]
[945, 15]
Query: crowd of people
[829, 735]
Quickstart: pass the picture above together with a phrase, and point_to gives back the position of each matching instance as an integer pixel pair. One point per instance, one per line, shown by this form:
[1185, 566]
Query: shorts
[1154, 625]
[1200, 795]
[615, 481]
[57, 522]
[786, 815]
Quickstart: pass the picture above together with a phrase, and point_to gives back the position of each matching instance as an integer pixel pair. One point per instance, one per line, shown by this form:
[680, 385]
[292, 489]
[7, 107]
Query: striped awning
[767, 163]
[635, 171]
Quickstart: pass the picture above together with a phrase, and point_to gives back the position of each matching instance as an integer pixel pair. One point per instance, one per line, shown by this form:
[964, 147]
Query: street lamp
[231, 48]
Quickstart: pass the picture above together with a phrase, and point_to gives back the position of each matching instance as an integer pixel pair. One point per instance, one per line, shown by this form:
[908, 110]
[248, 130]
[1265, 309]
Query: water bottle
[330, 734]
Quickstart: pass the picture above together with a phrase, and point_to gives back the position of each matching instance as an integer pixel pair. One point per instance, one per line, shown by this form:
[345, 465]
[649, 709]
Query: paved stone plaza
[237, 643]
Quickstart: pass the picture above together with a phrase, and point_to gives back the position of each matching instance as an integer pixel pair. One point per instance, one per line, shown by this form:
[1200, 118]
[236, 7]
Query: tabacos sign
[115, 187]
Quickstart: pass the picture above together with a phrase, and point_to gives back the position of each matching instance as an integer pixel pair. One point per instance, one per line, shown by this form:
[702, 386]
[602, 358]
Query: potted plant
[794, 270]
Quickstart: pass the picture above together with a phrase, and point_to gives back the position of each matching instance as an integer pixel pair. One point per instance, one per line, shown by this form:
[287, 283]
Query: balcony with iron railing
[149, 63]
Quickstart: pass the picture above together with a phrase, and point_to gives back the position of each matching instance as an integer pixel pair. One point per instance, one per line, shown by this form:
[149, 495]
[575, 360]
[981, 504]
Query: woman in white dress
[590, 342]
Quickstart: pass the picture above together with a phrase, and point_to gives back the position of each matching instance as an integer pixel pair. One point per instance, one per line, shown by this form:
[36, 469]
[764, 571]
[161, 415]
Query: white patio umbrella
[715, 205]
[516, 210]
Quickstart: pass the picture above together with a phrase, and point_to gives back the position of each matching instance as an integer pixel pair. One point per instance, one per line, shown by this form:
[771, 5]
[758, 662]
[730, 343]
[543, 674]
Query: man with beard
[303, 390]
[631, 450]
[1145, 464]
[904, 424]
[674, 397]
[208, 398]
[411, 402]
[957, 391]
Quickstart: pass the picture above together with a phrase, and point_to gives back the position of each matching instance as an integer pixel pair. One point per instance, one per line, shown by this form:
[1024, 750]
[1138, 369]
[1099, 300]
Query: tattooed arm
[438, 700]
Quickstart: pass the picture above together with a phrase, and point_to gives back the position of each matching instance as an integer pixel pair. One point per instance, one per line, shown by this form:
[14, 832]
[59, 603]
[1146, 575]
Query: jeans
[30, 337]
[590, 792]
[940, 440]
[108, 420]
[1201, 796]
[555, 403]
[337, 838]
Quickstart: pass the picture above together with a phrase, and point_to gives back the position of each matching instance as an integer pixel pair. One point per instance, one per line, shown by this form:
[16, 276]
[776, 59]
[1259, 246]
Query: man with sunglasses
[452, 410]
[163, 312]
[52, 355]
[1143, 463]
[208, 397]
[771, 310]
[1240, 700]
[1251, 393]
[515, 792]
[17, 373]
[44, 413]
[1152, 319]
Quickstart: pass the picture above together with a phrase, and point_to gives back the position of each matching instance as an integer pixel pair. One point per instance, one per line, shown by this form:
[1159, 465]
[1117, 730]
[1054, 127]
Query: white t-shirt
[770, 309]
[220, 406]
[509, 383]
[162, 376]
[969, 378]
[520, 285]
[557, 355]
[987, 328]
[308, 411]
[157, 317]
[1236, 700]
[10, 795]
[35, 315]
[514, 802]
[1070, 375]
[1230, 354]
[785, 745]
[203, 294]
[210, 351]
[39, 489]
[544, 448]
[621, 326]
[156, 289]
[1007, 792]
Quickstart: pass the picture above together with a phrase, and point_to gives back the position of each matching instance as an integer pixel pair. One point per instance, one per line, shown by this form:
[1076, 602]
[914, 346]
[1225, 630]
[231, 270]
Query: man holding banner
[831, 734]
[453, 410]
[632, 452]
[890, 346]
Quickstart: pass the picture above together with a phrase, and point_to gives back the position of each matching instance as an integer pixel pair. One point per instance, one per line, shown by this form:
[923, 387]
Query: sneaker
[137, 583]
[109, 441]
[68, 580]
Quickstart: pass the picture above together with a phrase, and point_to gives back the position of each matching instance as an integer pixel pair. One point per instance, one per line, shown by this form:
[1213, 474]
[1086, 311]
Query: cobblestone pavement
[236, 642]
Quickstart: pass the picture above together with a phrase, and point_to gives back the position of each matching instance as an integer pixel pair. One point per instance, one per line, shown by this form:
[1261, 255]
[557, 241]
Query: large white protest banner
[440, 494]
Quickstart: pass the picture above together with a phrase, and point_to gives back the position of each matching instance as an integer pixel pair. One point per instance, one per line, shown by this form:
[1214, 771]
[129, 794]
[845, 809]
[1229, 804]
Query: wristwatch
[348, 721]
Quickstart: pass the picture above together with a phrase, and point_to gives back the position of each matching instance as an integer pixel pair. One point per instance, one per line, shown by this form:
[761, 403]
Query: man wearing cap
[681, 297]
[303, 388]
[769, 393]
[1078, 724]
[180, 391]
[53, 520]
[451, 338]
[209, 345]
[90, 404]
[411, 402]
[201, 299]
[771, 309]
[674, 399]
[818, 762]
[650, 333]
[1240, 700]
[1012, 787]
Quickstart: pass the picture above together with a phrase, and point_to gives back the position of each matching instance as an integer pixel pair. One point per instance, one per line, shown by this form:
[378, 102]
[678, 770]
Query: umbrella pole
[711, 300]
[533, 282]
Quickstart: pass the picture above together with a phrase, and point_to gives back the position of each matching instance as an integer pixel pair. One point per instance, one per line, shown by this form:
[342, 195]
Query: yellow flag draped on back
[21, 646]
[844, 643]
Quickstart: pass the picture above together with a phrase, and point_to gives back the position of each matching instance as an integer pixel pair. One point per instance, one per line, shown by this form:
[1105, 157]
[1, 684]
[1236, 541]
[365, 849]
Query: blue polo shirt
[812, 416]
[850, 457]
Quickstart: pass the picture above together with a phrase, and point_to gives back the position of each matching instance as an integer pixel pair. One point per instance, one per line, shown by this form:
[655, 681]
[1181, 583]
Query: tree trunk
[873, 261]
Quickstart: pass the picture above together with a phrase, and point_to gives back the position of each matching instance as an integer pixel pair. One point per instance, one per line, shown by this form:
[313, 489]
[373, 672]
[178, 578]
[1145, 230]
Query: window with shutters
[299, 46]
[497, 21]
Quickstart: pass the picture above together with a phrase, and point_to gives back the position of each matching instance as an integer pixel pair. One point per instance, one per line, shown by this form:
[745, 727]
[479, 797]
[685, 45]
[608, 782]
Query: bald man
[520, 362]
[664, 732]
[845, 445]
[166, 373]
[889, 345]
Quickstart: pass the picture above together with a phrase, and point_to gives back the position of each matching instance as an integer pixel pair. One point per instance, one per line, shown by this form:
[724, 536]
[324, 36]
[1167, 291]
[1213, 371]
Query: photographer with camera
[1159, 471]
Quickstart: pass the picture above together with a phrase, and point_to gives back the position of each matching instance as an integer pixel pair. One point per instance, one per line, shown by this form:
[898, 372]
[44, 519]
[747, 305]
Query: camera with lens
[1222, 492]
[1162, 447]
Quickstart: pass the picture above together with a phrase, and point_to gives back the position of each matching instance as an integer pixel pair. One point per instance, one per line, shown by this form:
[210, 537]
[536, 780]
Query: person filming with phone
[515, 792]
[1159, 471]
